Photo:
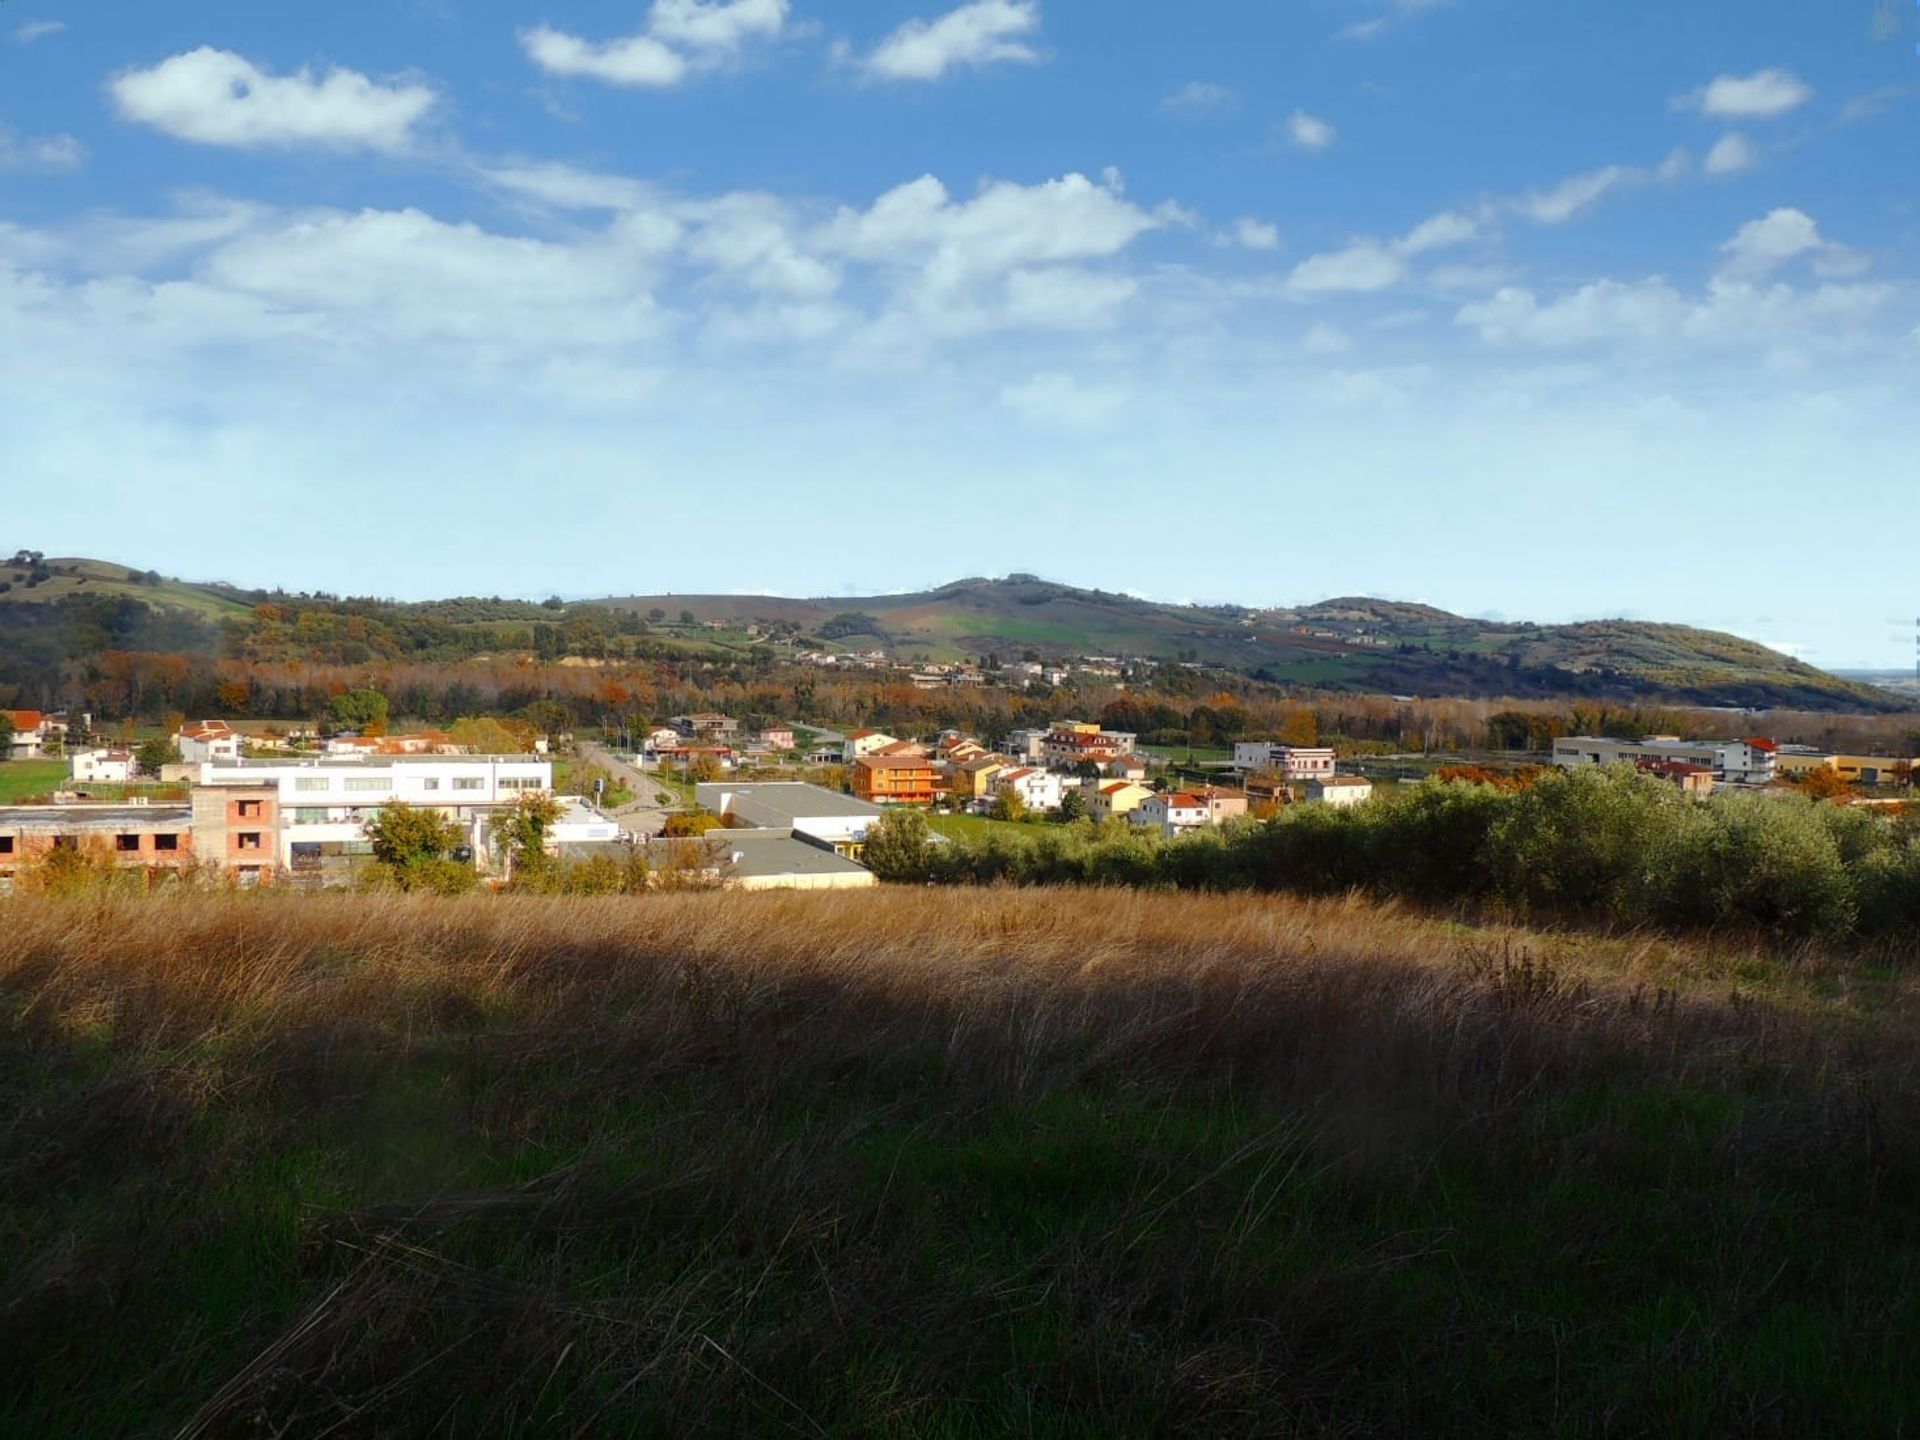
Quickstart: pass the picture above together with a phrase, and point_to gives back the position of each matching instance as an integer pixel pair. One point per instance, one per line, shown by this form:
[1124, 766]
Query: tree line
[1595, 845]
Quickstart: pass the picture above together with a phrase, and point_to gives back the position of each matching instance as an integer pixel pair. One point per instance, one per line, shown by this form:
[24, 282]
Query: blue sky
[1538, 310]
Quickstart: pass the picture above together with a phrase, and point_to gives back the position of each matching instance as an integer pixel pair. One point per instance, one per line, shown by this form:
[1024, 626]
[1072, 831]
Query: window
[166, 842]
[312, 782]
[66, 842]
[470, 784]
[432, 782]
[369, 782]
[519, 782]
[247, 840]
[250, 809]
[6, 844]
[308, 815]
[126, 843]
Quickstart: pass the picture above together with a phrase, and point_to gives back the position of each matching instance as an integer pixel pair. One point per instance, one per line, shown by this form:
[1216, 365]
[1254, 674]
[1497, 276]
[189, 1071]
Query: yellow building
[1108, 798]
[1860, 769]
[971, 779]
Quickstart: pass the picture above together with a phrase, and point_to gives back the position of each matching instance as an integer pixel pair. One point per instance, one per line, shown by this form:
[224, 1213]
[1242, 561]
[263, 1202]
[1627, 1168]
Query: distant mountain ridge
[1349, 643]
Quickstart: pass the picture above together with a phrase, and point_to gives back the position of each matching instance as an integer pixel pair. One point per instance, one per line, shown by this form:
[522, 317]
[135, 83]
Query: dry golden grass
[404, 1120]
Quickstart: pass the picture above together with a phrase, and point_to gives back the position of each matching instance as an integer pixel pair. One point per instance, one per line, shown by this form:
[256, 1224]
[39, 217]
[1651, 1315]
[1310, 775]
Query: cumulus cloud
[214, 97]
[1004, 227]
[1763, 95]
[682, 38]
[46, 154]
[1731, 154]
[1777, 238]
[1309, 132]
[984, 32]
[1199, 97]
[1362, 268]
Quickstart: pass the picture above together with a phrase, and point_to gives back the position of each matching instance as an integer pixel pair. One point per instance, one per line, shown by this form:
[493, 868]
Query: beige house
[1109, 798]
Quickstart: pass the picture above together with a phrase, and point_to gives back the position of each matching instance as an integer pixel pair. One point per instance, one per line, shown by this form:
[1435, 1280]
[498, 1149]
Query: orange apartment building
[895, 779]
[152, 837]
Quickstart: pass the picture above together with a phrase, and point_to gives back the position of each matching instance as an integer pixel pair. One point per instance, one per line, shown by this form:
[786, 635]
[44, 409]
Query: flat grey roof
[74, 817]
[767, 852]
[370, 762]
[788, 800]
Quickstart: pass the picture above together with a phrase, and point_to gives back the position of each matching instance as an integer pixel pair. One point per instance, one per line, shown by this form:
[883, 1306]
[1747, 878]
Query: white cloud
[1004, 227]
[1200, 97]
[1731, 154]
[1780, 236]
[1255, 234]
[48, 154]
[984, 32]
[215, 97]
[31, 30]
[1776, 320]
[1363, 267]
[681, 38]
[1378, 25]
[1439, 232]
[562, 187]
[637, 60]
[1763, 95]
[1574, 195]
[1055, 399]
[1309, 132]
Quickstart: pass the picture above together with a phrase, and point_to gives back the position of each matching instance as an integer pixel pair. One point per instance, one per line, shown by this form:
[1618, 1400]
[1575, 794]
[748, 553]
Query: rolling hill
[1351, 643]
[1346, 644]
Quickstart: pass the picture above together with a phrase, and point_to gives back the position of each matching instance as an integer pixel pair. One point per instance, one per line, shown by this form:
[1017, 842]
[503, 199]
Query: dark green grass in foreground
[474, 1213]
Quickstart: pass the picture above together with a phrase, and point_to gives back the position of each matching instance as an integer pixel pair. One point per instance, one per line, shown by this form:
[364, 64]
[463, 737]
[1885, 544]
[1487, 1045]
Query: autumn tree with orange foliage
[1511, 782]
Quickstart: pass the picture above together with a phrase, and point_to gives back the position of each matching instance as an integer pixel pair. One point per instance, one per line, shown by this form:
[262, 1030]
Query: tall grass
[939, 1162]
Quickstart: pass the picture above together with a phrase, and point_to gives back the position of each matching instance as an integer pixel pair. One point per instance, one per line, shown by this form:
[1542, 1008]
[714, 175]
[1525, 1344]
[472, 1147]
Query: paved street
[646, 815]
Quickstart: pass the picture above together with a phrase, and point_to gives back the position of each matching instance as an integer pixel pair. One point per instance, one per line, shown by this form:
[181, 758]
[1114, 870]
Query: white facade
[103, 767]
[1295, 762]
[1172, 813]
[1039, 789]
[1734, 762]
[864, 742]
[1340, 790]
[329, 801]
[208, 742]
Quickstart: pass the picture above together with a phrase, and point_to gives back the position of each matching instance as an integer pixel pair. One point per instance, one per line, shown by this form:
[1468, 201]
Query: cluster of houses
[1042, 768]
[299, 818]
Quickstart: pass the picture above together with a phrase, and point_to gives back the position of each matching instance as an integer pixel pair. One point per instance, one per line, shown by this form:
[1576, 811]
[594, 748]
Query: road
[646, 815]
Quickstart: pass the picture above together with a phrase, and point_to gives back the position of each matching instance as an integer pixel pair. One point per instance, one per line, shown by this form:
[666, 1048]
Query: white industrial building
[324, 804]
[1733, 762]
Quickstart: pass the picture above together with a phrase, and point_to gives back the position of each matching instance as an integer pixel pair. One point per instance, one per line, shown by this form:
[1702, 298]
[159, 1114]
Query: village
[784, 806]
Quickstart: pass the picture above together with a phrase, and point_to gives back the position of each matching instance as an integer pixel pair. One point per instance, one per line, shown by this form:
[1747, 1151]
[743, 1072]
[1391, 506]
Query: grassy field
[26, 779]
[941, 1163]
[975, 827]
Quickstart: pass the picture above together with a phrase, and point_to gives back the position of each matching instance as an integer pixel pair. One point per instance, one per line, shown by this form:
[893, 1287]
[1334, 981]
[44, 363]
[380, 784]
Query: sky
[1528, 310]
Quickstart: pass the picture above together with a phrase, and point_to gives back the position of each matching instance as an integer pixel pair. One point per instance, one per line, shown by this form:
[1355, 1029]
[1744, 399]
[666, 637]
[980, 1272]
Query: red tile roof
[26, 719]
